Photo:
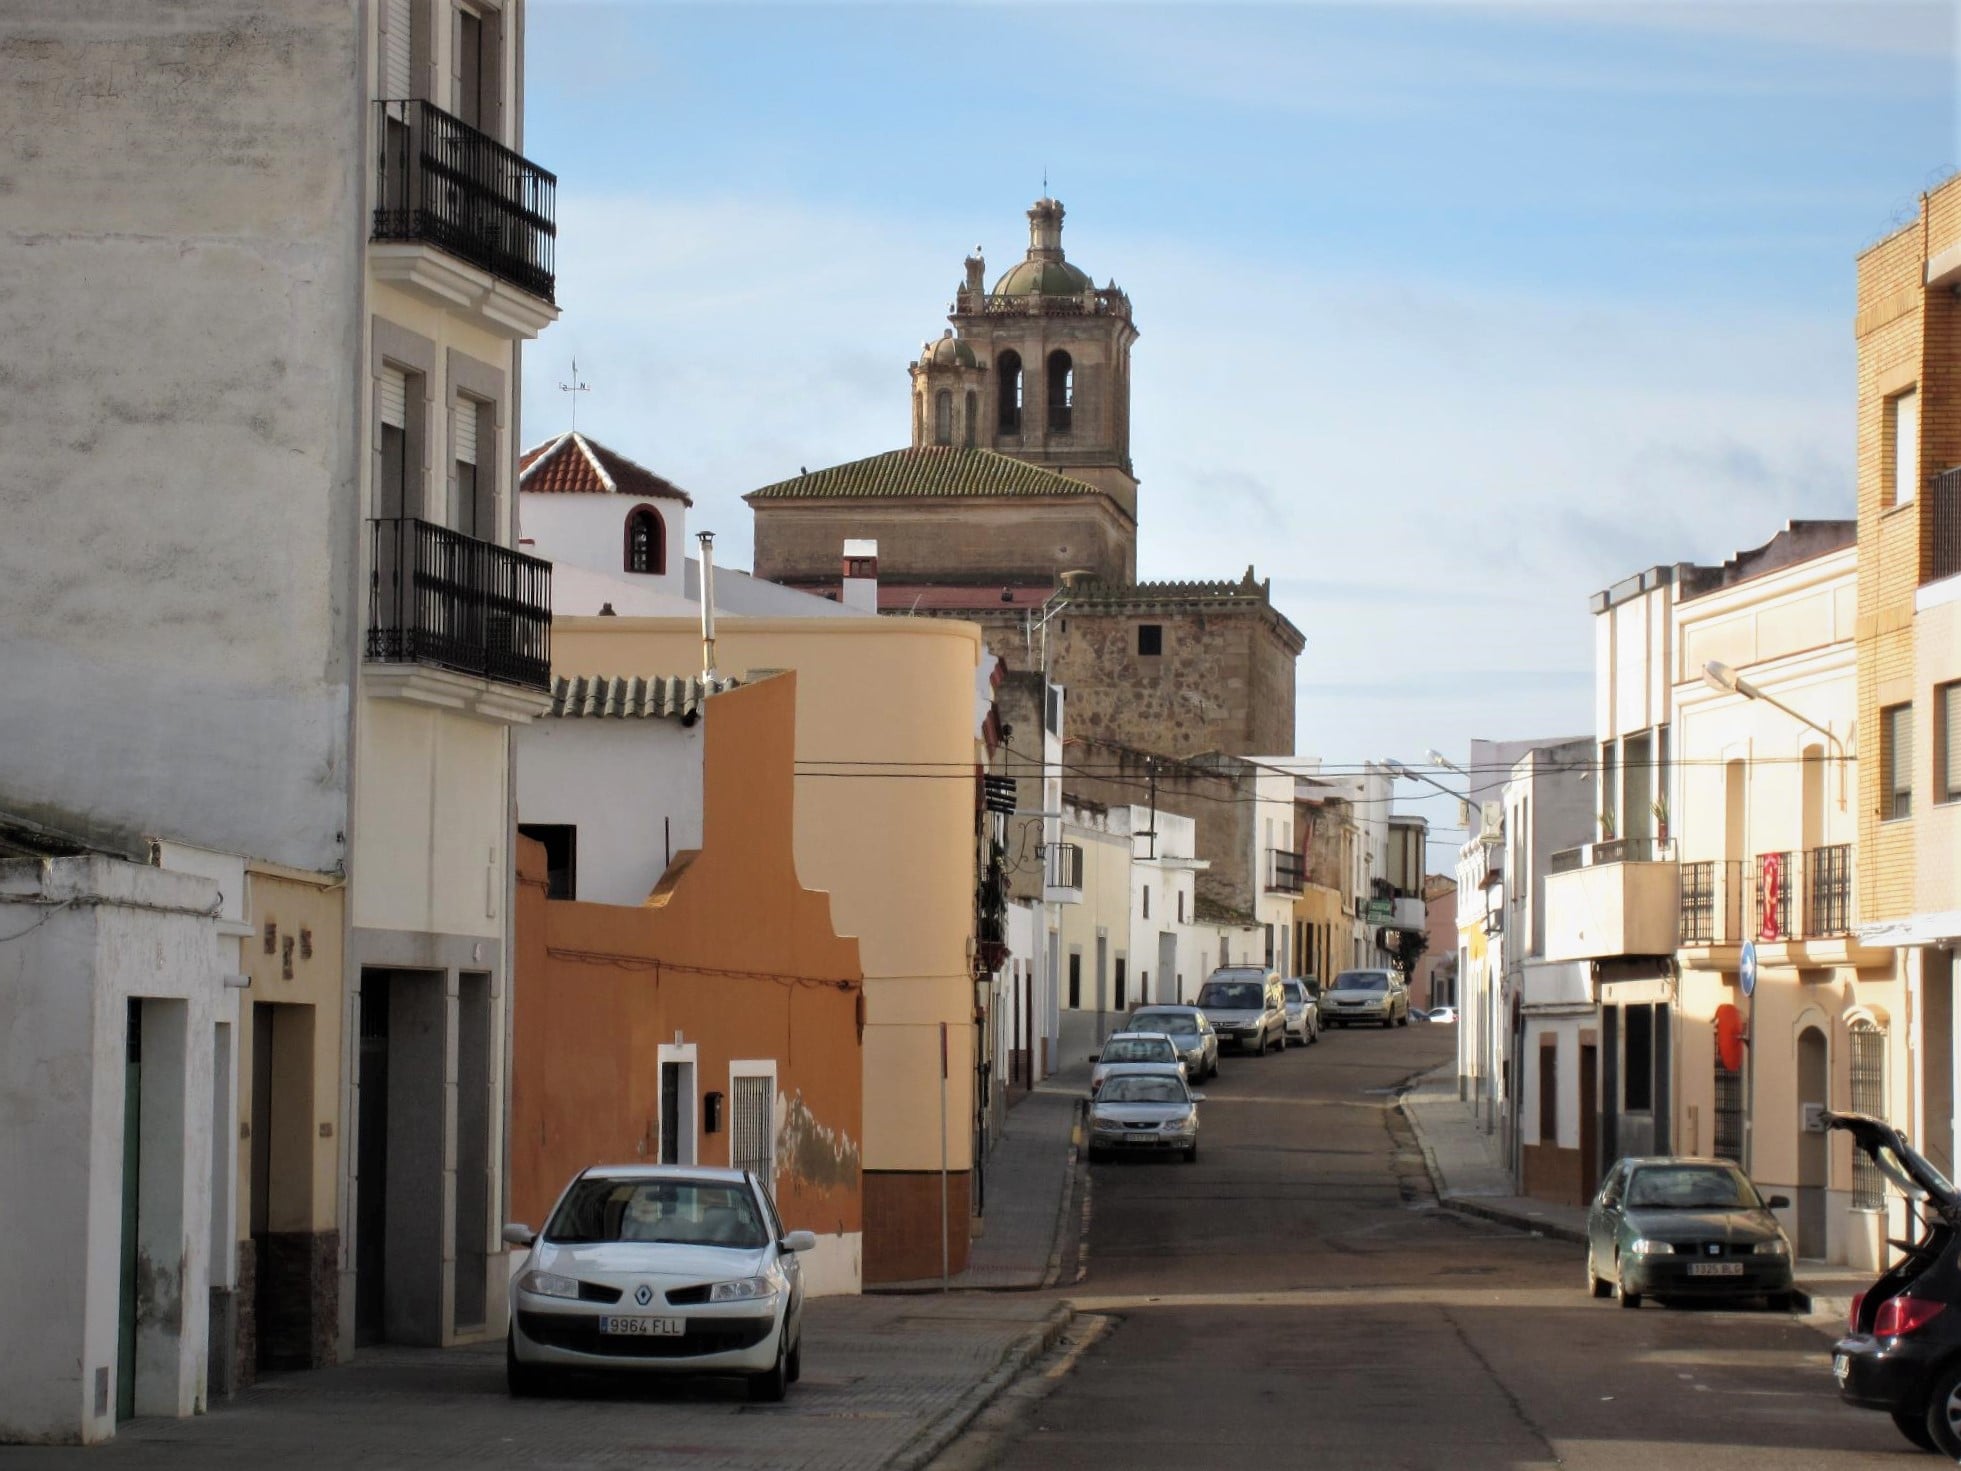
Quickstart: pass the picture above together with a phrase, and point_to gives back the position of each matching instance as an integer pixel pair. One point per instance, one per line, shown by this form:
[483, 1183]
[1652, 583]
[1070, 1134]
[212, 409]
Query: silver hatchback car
[1189, 1031]
[1303, 1011]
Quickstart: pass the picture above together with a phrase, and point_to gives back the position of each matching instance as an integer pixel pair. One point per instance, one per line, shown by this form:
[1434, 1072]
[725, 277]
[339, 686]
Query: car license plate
[1841, 1367]
[1716, 1269]
[644, 1327]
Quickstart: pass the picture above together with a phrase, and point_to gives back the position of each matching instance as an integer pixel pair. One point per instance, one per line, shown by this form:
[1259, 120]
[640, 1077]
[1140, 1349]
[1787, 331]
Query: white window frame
[689, 1132]
[1903, 414]
[756, 1068]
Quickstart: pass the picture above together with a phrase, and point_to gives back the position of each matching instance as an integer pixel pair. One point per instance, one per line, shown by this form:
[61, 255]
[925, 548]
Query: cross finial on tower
[575, 388]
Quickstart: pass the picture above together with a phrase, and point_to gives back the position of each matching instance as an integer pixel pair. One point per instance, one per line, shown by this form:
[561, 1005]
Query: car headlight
[1771, 1248]
[1647, 1246]
[549, 1284]
[1181, 1126]
[743, 1289]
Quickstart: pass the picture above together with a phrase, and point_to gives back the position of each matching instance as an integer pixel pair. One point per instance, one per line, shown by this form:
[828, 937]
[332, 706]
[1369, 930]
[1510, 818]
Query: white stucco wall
[631, 787]
[589, 531]
[90, 933]
[180, 289]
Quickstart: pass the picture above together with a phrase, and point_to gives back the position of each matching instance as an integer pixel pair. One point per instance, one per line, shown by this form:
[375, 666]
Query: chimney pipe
[707, 540]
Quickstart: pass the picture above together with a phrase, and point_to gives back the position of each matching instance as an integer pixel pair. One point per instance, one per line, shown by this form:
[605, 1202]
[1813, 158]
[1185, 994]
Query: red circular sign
[1729, 1038]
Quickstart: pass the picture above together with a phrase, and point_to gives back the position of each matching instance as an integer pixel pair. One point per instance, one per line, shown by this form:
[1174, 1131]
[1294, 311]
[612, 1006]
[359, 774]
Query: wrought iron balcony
[1804, 895]
[438, 597]
[444, 182]
[1286, 873]
[1062, 874]
[1713, 902]
[1944, 510]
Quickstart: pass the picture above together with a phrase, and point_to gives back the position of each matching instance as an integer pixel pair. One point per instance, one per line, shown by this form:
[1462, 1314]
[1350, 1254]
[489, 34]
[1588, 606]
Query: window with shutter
[1905, 413]
[463, 429]
[1947, 734]
[1896, 760]
[394, 397]
[397, 72]
[751, 1138]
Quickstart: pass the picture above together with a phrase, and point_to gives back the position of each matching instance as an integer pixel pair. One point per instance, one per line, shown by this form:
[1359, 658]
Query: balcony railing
[1286, 872]
[1944, 510]
[438, 597]
[1828, 891]
[1713, 907]
[1065, 867]
[444, 182]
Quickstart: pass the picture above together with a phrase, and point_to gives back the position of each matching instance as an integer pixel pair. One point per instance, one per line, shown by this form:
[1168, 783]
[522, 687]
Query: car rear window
[1173, 1023]
[692, 1212]
[1233, 995]
[1138, 1049]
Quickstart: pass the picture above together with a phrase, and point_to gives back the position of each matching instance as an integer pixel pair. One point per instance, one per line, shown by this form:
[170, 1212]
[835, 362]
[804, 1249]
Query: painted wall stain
[160, 1293]
[820, 1156]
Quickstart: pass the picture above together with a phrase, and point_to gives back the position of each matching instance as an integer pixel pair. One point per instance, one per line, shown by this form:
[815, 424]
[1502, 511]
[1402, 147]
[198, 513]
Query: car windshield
[692, 1212]
[1173, 1023]
[1296, 991]
[1233, 995]
[1361, 980]
[1142, 1088]
[1691, 1187]
[1138, 1049]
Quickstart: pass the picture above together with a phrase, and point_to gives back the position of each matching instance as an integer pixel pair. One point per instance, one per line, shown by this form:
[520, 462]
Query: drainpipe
[707, 540]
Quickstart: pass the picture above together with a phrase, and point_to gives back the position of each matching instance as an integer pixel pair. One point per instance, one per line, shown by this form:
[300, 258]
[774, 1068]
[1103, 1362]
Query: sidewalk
[1029, 1181]
[888, 1381]
[1467, 1170]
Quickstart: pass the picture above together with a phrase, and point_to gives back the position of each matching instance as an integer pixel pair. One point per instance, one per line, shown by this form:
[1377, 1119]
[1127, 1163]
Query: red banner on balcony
[1770, 882]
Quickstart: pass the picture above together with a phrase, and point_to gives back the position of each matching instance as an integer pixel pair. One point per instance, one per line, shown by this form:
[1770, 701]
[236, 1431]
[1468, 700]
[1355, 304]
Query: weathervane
[575, 388]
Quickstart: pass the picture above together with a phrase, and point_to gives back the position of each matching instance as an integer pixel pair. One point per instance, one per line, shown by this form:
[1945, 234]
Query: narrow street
[1296, 1297]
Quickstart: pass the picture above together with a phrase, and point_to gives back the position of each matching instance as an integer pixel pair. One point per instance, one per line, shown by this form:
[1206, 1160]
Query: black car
[1669, 1226]
[1903, 1353]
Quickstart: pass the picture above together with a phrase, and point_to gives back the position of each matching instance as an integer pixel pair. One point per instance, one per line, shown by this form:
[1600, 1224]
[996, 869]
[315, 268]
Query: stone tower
[1038, 368]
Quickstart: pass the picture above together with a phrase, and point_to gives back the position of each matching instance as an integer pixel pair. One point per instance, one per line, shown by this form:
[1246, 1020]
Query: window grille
[1729, 1114]
[1868, 1097]
[751, 1142]
[1698, 903]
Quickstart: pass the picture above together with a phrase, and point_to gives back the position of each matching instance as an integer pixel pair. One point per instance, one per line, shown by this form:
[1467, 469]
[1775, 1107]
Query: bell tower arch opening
[1007, 388]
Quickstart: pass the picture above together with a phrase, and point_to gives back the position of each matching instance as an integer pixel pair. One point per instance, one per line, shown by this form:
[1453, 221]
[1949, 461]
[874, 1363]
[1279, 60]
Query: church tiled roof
[936, 471]
[575, 465]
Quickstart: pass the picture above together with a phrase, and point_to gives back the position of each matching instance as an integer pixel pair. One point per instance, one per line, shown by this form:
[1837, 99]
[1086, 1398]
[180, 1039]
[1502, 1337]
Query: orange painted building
[719, 1023]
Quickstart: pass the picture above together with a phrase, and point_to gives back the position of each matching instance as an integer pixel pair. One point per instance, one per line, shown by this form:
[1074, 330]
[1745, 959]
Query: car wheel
[1628, 1299]
[1095, 1155]
[1388, 1023]
[1914, 1428]
[793, 1370]
[1943, 1417]
[1596, 1284]
[773, 1383]
[1403, 1020]
[1191, 1155]
[524, 1381]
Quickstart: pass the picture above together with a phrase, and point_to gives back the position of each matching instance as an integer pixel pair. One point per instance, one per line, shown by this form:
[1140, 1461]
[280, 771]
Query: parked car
[1244, 1005]
[1189, 1031]
[1902, 1350]
[1418, 1014]
[1141, 1112]
[1446, 1015]
[1126, 1049]
[1674, 1226]
[1378, 997]
[659, 1269]
[1303, 1012]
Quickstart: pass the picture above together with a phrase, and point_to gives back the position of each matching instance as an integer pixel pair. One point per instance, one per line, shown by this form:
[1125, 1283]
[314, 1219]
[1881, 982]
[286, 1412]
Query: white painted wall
[92, 933]
[589, 531]
[1170, 877]
[180, 289]
[631, 787]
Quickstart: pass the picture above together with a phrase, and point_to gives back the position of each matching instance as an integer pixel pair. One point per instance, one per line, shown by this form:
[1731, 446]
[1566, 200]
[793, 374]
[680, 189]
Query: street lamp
[1397, 768]
[1726, 681]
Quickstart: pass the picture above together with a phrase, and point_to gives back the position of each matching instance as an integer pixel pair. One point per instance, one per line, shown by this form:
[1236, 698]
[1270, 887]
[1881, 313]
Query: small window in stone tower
[943, 418]
[1062, 391]
[1150, 638]
[973, 412]
[1009, 367]
[646, 545]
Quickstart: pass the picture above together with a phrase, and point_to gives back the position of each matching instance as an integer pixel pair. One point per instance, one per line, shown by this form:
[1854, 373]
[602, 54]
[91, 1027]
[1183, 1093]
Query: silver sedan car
[1190, 1032]
[661, 1269]
[1122, 1049]
[1303, 1012]
[1145, 1113]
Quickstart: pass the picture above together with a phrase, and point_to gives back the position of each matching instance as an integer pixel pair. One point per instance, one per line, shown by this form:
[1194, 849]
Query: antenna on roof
[575, 388]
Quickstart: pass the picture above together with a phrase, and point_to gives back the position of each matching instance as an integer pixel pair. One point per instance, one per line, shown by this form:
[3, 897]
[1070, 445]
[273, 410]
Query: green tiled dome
[950, 351]
[1044, 278]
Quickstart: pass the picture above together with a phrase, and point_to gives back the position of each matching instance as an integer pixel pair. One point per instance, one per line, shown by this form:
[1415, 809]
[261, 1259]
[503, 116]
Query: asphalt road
[1296, 1297]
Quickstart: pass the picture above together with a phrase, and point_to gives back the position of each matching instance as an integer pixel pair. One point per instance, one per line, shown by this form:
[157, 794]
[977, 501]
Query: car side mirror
[1198, 1098]
[800, 1241]
[1779, 1202]
[518, 1234]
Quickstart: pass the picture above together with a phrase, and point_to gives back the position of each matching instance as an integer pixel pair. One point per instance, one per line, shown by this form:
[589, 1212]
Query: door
[371, 1163]
[1813, 1153]
[132, 1171]
[1589, 1116]
[1167, 966]
[670, 1113]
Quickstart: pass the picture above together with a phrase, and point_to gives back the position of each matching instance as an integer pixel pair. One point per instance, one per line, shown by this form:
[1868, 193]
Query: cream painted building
[1089, 873]
[896, 852]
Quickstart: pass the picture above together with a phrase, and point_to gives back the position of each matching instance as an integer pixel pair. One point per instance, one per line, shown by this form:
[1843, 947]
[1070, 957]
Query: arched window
[1062, 391]
[973, 413]
[646, 541]
[943, 417]
[1009, 389]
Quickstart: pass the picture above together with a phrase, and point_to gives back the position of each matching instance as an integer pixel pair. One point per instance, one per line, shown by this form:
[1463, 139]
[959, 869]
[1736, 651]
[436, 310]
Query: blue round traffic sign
[1746, 968]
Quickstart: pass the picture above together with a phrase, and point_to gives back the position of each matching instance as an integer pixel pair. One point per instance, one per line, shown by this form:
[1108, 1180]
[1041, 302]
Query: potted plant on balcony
[1660, 809]
[991, 912]
[1606, 825]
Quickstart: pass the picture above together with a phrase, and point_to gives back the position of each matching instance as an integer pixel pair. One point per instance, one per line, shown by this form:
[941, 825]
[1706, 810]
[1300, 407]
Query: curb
[1470, 1205]
[949, 1427]
[1077, 1172]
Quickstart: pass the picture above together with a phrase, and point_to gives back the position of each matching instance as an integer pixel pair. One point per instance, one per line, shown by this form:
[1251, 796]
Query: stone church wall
[798, 541]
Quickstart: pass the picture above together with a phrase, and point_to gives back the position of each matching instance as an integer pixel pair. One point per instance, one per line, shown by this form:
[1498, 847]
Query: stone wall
[1216, 794]
[952, 540]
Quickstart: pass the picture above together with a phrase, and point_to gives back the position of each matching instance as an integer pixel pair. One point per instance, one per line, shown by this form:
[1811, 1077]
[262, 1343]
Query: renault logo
[643, 1294]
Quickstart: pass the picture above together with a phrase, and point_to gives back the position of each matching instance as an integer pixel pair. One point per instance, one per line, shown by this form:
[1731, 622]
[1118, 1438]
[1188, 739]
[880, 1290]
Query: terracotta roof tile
[572, 464]
[936, 471]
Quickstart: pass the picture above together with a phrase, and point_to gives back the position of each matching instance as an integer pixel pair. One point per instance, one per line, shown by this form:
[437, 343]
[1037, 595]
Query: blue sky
[1451, 315]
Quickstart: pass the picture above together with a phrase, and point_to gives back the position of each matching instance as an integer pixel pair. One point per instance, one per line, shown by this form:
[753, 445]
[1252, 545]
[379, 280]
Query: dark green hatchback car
[1668, 1226]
